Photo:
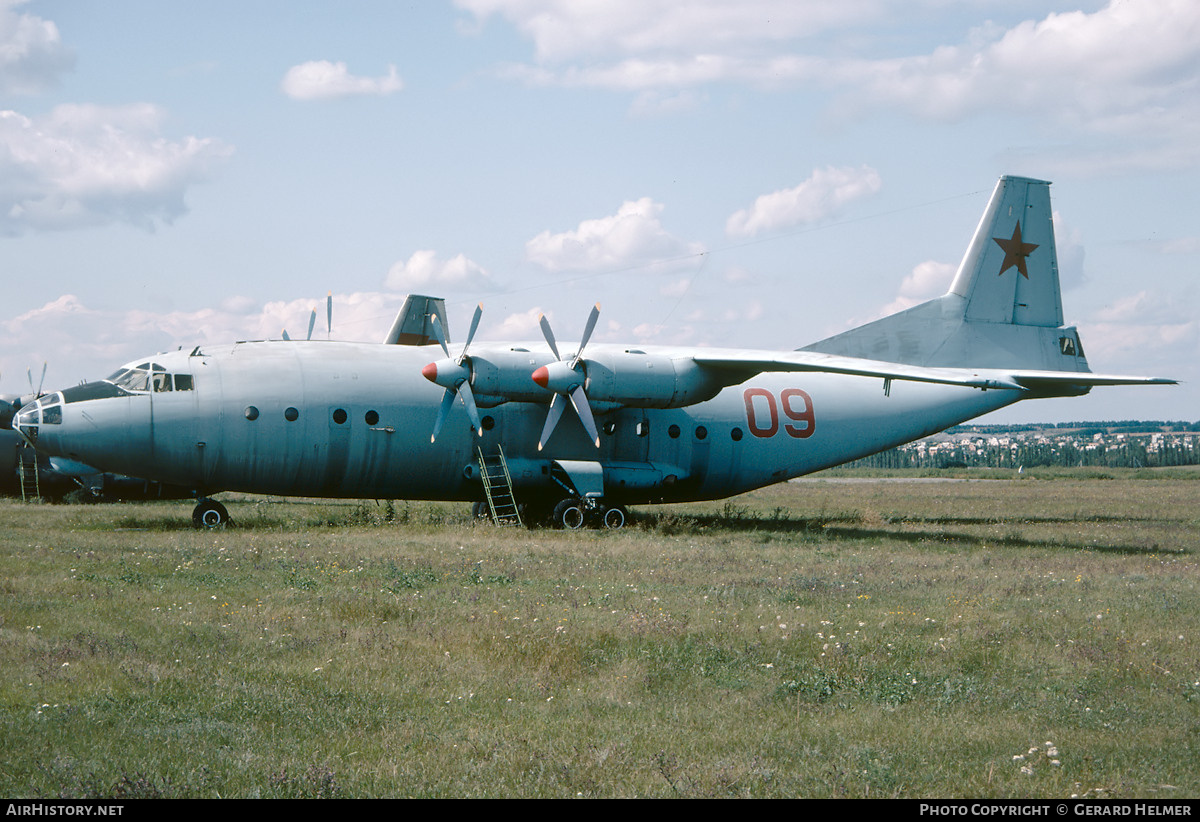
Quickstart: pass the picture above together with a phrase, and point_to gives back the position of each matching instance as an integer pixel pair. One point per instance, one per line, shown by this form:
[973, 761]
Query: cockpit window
[150, 376]
[133, 380]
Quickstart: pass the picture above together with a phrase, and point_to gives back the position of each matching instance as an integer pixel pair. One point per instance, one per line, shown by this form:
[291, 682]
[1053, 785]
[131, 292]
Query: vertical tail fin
[1010, 271]
[1004, 308]
[413, 323]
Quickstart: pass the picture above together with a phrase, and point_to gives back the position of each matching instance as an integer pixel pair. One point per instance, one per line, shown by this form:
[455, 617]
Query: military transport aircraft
[488, 422]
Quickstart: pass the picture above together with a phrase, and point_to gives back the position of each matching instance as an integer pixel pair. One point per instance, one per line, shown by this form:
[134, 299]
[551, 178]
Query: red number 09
[797, 407]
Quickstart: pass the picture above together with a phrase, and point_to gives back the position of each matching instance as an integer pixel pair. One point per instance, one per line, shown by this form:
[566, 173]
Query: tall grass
[1009, 639]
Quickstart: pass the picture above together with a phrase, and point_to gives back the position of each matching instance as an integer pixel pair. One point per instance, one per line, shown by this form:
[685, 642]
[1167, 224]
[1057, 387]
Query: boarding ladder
[27, 467]
[497, 485]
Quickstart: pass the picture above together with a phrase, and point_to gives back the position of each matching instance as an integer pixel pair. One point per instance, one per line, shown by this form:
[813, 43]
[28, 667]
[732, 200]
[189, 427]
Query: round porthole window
[251, 413]
[291, 414]
[673, 432]
[371, 417]
[339, 416]
[736, 434]
[701, 432]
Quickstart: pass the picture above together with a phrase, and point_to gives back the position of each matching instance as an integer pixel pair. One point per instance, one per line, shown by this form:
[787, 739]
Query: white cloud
[567, 29]
[1120, 69]
[928, 280]
[1068, 245]
[423, 270]
[523, 325]
[32, 55]
[1126, 69]
[631, 237]
[675, 289]
[86, 165]
[1151, 332]
[323, 80]
[79, 342]
[1180, 245]
[822, 195]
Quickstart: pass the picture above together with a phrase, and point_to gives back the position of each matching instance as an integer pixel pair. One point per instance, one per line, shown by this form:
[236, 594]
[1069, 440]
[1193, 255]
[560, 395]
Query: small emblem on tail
[1015, 252]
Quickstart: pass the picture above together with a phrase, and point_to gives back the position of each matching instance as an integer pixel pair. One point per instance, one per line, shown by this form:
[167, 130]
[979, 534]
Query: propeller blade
[468, 398]
[439, 333]
[37, 392]
[312, 321]
[447, 401]
[285, 336]
[548, 334]
[453, 370]
[556, 409]
[587, 333]
[565, 377]
[329, 315]
[579, 400]
[471, 332]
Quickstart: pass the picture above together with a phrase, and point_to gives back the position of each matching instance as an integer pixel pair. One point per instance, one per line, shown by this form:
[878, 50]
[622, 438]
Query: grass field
[1035, 637]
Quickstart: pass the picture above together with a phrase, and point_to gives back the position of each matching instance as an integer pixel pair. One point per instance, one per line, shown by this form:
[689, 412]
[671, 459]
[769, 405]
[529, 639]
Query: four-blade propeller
[37, 392]
[566, 378]
[453, 374]
[312, 320]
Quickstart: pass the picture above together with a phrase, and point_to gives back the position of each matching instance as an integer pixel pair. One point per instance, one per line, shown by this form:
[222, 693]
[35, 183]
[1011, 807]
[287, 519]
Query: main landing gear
[574, 513]
[209, 513]
[570, 514]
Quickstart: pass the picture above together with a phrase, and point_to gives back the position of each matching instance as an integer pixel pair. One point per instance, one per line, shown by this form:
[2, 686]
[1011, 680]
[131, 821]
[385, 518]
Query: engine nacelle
[503, 375]
[636, 379]
[615, 379]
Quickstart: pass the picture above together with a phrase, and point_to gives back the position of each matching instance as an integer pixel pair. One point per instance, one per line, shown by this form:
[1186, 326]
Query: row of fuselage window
[291, 414]
[339, 416]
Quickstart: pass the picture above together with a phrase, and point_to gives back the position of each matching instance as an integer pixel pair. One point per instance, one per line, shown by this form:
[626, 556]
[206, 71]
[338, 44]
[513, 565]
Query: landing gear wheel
[480, 512]
[569, 514]
[615, 517]
[209, 513]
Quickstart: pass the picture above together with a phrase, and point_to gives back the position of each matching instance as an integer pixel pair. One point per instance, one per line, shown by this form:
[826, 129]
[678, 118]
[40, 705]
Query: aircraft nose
[25, 421]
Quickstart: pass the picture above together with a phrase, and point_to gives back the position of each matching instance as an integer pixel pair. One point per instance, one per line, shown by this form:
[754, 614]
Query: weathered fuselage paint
[353, 420]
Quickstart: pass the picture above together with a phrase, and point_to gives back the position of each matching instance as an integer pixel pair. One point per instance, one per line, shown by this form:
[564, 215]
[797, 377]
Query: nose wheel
[209, 513]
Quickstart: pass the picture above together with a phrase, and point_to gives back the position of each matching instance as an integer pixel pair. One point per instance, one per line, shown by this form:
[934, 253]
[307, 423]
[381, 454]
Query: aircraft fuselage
[353, 420]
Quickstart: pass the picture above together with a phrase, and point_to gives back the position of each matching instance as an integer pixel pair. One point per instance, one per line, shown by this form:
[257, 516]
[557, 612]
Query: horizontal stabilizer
[740, 366]
[1036, 380]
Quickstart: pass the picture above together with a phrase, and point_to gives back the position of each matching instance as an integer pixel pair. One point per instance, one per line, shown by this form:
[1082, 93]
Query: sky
[760, 173]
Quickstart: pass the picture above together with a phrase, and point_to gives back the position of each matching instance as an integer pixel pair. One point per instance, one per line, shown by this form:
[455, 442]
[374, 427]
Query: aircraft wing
[742, 365]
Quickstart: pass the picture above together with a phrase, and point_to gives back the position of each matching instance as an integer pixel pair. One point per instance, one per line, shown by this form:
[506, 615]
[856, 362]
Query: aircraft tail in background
[1003, 309]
